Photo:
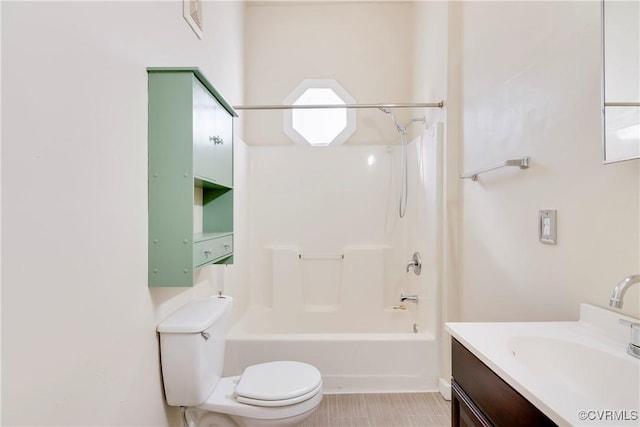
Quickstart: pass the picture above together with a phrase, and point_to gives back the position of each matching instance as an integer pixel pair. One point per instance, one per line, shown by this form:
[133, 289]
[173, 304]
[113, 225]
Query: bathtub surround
[325, 282]
[338, 322]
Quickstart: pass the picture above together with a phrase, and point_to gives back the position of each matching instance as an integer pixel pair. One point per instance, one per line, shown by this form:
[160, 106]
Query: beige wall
[78, 320]
[530, 84]
[365, 46]
[526, 83]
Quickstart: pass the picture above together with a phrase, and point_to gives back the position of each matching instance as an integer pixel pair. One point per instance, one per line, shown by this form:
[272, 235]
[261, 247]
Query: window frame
[306, 84]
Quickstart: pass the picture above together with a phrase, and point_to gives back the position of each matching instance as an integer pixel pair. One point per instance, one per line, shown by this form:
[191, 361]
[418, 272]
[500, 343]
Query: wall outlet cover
[547, 227]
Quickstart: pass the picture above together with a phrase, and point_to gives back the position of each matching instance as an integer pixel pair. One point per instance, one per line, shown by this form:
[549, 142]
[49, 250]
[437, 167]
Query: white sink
[603, 377]
[566, 369]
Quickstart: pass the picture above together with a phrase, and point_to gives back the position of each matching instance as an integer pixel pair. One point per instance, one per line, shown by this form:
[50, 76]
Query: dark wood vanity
[482, 398]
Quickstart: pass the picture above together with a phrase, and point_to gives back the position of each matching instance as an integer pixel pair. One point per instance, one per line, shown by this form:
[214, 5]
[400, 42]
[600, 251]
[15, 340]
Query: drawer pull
[207, 252]
[227, 247]
[216, 140]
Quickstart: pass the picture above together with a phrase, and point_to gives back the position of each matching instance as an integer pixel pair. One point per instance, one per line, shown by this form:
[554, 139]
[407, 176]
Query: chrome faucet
[618, 292]
[415, 263]
[412, 298]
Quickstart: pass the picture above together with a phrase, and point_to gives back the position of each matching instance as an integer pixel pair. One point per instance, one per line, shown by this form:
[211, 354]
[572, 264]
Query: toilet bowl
[285, 401]
[279, 393]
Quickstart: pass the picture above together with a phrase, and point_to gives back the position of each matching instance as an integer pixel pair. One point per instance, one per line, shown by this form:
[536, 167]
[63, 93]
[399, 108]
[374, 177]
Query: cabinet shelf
[190, 163]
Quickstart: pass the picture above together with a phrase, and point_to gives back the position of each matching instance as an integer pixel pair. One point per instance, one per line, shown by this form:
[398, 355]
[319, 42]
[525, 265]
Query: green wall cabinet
[190, 157]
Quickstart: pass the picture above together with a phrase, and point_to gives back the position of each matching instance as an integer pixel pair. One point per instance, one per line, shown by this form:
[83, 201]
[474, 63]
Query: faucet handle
[635, 330]
[415, 263]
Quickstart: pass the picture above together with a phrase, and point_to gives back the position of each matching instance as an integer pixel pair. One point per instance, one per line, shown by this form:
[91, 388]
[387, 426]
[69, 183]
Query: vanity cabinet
[480, 398]
[190, 181]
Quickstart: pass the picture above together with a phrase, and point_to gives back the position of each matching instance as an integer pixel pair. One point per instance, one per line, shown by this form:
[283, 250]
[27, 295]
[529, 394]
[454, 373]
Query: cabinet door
[224, 148]
[487, 396]
[213, 138]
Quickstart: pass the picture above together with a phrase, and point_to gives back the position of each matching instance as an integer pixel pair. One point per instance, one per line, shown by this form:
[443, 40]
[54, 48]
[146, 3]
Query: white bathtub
[388, 357]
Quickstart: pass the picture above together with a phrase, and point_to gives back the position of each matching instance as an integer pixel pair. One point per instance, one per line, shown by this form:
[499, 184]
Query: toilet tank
[192, 344]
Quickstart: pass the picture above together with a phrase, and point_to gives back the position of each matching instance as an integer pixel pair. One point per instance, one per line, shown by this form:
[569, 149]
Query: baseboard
[444, 387]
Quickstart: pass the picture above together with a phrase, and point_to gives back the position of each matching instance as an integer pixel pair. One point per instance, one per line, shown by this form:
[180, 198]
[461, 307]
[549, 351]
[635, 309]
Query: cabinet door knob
[207, 252]
[216, 140]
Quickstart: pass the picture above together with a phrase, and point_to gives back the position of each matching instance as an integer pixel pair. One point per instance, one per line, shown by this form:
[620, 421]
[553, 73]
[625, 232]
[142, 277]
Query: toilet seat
[278, 383]
[284, 402]
[222, 400]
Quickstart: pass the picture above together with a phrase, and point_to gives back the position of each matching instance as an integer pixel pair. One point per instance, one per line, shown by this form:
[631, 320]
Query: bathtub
[379, 353]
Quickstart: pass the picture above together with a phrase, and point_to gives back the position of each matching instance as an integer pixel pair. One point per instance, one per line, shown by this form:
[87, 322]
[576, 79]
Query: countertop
[596, 386]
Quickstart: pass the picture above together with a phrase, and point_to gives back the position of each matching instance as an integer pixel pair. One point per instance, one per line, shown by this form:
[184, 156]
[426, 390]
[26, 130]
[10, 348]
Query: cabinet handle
[207, 252]
[227, 247]
[216, 140]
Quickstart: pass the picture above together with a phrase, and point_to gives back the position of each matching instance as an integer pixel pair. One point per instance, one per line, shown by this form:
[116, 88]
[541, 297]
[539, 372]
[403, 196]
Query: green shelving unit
[190, 154]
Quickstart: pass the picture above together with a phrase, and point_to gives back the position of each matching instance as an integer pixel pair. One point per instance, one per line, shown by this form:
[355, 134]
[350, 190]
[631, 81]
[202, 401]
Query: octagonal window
[321, 126]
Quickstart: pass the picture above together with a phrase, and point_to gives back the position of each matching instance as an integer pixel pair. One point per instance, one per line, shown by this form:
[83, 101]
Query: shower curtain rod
[319, 106]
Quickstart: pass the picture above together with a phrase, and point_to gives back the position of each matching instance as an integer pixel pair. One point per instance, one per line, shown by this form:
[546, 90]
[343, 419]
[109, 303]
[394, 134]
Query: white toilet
[192, 341]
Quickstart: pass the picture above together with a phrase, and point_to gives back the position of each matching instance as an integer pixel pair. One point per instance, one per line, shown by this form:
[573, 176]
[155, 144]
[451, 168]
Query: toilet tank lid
[196, 316]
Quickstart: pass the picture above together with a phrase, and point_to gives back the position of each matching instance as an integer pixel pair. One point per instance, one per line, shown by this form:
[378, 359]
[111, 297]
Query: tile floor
[381, 410]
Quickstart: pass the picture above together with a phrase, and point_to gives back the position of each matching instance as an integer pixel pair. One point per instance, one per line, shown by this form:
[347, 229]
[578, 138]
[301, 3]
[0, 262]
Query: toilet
[192, 342]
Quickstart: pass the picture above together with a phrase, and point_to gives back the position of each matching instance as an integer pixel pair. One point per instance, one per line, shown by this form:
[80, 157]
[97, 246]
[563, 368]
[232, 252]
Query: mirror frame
[604, 104]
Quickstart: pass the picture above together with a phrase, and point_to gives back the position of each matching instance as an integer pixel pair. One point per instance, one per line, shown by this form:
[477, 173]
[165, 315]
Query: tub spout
[412, 298]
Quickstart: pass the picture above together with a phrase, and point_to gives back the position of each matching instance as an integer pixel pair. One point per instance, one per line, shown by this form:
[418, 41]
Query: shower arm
[416, 119]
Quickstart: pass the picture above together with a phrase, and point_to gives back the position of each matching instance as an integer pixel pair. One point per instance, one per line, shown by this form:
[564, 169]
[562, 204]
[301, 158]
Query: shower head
[401, 128]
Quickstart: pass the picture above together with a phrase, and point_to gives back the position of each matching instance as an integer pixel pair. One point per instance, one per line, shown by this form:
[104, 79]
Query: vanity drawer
[206, 251]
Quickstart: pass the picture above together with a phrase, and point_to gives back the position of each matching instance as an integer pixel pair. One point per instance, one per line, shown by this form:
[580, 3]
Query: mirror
[621, 80]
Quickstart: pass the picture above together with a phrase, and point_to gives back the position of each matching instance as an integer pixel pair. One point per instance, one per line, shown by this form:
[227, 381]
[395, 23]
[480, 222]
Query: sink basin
[606, 378]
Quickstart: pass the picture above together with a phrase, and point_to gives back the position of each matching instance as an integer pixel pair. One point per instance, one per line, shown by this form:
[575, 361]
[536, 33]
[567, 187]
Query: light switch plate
[547, 227]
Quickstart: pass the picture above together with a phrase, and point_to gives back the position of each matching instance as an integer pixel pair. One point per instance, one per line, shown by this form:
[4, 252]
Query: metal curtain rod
[522, 163]
[319, 106]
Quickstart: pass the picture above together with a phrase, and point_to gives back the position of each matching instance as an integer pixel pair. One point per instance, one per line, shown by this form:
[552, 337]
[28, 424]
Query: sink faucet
[618, 292]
